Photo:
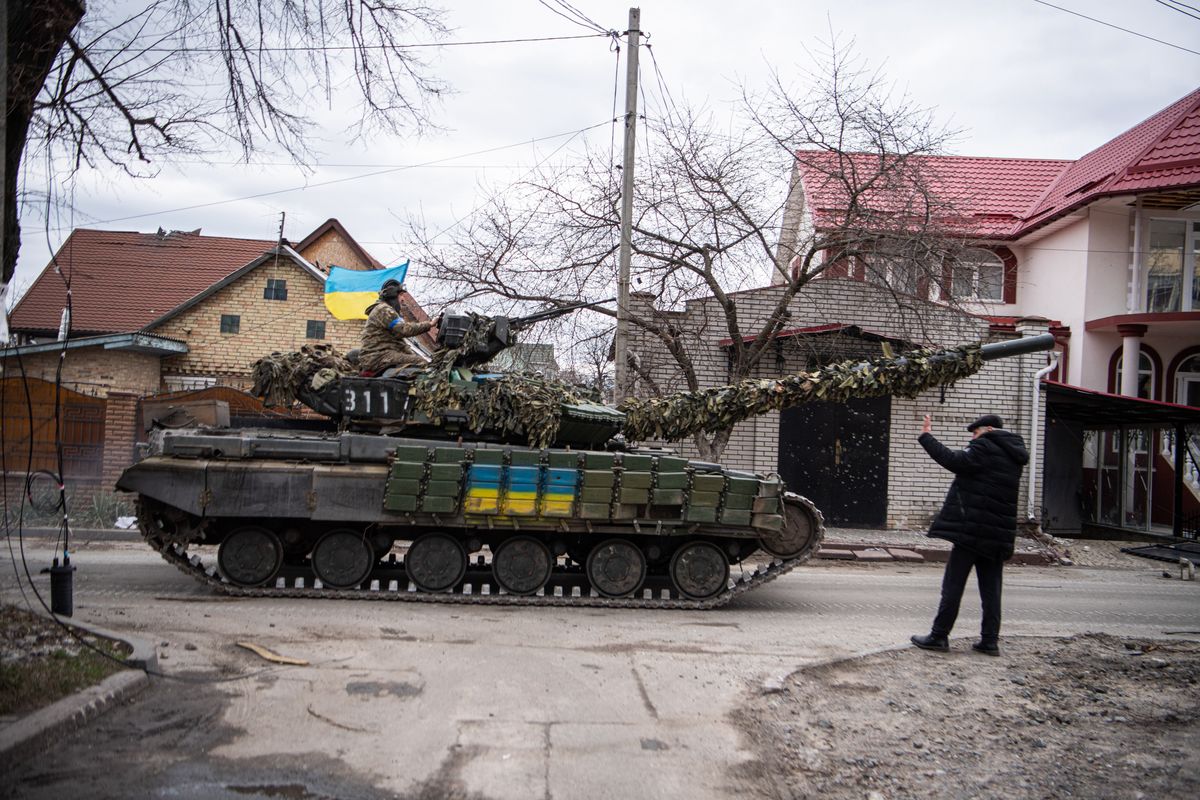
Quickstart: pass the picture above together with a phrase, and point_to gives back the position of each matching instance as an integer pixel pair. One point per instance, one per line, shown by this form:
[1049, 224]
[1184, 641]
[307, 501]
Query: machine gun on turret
[472, 339]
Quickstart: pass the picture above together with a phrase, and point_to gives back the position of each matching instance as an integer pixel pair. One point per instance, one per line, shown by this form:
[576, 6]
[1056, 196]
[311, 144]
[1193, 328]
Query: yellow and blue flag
[348, 292]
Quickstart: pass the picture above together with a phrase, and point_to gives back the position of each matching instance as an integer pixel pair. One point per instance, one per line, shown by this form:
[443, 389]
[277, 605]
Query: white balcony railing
[1191, 459]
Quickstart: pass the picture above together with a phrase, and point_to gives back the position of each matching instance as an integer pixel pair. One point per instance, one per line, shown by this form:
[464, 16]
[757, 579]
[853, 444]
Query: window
[1145, 376]
[977, 275]
[230, 323]
[1187, 382]
[315, 329]
[891, 267]
[1172, 266]
[276, 289]
[180, 383]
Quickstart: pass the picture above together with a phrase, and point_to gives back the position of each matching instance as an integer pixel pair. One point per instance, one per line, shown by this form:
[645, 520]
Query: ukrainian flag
[348, 292]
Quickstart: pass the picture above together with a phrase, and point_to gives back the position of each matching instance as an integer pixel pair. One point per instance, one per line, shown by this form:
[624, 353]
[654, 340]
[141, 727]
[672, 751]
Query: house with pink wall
[1106, 249]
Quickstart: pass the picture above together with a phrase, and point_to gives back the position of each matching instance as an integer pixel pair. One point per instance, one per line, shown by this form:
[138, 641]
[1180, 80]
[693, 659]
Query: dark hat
[390, 289]
[988, 421]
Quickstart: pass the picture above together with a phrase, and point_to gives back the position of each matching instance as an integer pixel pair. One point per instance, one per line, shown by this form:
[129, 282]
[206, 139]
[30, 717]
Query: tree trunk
[37, 30]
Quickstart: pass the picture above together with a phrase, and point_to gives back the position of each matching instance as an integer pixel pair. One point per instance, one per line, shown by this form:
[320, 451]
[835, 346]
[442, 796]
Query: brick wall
[120, 435]
[916, 486]
[265, 325]
[93, 370]
[332, 250]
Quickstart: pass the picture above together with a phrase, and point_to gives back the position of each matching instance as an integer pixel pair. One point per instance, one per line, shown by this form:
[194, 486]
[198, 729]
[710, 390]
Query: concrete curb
[34, 732]
[144, 655]
[86, 534]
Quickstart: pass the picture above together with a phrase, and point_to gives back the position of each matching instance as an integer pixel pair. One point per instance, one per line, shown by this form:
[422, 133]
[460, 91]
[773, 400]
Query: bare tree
[714, 215]
[183, 76]
[590, 359]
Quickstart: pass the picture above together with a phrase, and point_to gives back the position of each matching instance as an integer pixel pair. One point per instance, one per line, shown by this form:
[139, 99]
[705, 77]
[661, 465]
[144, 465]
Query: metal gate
[27, 407]
[836, 454]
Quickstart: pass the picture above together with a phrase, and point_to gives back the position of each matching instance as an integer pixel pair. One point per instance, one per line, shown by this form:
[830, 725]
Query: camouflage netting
[520, 404]
[524, 405]
[683, 414]
[280, 376]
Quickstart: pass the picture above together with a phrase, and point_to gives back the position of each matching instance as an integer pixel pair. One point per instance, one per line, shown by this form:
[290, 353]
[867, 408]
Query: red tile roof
[986, 195]
[1004, 198]
[122, 280]
[1160, 152]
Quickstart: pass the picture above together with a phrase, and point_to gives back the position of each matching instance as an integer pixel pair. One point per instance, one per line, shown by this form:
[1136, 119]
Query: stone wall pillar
[1131, 356]
[120, 435]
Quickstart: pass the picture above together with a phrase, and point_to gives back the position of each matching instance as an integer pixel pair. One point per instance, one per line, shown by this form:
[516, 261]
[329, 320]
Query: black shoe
[987, 648]
[932, 642]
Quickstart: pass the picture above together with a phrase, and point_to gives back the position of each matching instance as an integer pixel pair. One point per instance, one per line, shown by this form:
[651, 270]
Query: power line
[333, 181]
[1182, 8]
[573, 15]
[1119, 28]
[346, 48]
[1182, 4]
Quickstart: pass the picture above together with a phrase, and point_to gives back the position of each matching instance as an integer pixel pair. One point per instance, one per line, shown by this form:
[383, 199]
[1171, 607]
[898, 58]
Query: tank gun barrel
[677, 416]
[1017, 347]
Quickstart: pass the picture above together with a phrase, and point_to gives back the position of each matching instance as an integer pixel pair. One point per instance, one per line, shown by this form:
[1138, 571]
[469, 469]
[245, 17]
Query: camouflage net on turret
[279, 377]
[519, 404]
[683, 414]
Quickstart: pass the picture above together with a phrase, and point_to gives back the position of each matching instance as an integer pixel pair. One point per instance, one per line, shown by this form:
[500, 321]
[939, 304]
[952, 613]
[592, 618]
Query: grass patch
[41, 663]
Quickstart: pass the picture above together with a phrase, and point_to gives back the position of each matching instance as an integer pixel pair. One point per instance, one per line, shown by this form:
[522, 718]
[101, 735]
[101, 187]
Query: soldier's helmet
[390, 289]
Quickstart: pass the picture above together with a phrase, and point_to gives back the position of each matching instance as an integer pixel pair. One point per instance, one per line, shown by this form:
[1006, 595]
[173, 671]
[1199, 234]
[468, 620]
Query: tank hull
[353, 515]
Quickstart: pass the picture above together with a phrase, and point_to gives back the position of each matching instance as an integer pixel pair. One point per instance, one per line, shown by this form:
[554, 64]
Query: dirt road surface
[1091, 716]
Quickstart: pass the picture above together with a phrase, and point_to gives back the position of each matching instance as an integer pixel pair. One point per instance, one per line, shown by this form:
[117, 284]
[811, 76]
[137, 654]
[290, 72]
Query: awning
[831, 329]
[1103, 410]
[144, 343]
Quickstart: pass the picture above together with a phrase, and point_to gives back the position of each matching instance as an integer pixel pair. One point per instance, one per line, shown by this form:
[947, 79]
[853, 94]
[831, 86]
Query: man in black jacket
[980, 518]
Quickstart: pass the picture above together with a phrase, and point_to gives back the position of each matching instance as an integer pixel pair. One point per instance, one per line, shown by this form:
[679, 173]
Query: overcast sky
[1020, 78]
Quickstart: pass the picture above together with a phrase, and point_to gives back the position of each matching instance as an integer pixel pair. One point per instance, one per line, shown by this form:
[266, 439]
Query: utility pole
[621, 344]
[3, 164]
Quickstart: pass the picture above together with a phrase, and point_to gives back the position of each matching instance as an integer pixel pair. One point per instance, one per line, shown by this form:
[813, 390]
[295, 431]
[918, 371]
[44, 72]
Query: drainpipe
[1035, 419]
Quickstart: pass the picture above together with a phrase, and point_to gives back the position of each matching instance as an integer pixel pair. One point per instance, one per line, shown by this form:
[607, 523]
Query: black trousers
[989, 573]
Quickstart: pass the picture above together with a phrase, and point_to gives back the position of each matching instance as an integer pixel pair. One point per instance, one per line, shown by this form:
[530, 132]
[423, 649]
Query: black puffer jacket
[980, 512]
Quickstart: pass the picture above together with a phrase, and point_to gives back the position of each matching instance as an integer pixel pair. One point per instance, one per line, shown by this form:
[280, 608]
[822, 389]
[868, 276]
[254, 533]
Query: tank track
[560, 591]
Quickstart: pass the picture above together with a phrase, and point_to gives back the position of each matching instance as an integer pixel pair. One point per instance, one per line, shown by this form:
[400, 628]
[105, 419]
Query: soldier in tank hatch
[385, 332]
[980, 518]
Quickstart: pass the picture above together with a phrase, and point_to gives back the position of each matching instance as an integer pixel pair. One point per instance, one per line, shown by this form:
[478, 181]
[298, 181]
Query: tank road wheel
[616, 568]
[522, 565]
[342, 558]
[699, 570]
[250, 556]
[801, 528]
[436, 563]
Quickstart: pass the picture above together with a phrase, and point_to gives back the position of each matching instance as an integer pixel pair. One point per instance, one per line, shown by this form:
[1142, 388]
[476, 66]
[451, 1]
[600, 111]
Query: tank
[452, 483]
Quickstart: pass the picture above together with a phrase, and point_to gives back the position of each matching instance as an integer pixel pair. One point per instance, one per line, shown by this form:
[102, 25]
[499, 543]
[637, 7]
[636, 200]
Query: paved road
[426, 700]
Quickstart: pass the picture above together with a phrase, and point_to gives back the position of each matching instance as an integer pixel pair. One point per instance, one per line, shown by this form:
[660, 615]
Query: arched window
[1187, 382]
[978, 274]
[1146, 376]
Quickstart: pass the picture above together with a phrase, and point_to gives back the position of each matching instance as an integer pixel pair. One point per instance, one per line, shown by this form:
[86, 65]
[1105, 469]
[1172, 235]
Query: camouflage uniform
[383, 336]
